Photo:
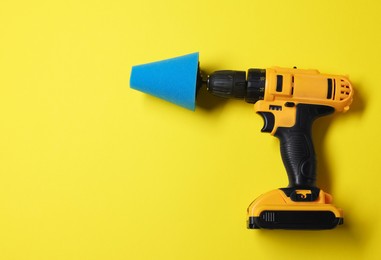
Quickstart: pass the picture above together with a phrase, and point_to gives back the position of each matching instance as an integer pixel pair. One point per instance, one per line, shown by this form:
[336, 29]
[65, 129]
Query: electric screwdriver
[289, 100]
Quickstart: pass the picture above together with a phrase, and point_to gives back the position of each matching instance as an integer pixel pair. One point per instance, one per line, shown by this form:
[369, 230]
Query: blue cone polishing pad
[173, 80]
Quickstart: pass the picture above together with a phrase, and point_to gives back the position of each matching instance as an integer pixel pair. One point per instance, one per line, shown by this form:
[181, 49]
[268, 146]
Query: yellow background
[90, 169]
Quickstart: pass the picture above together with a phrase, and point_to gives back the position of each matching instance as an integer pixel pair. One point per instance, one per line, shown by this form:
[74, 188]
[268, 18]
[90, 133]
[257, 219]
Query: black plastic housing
[296, 145]
[312, 220]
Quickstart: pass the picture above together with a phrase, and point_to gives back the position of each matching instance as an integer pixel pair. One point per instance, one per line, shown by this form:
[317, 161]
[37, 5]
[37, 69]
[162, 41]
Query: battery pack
[298, 209]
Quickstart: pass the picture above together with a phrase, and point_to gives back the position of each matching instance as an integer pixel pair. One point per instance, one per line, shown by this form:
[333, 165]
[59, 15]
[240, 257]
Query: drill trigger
[268, 120]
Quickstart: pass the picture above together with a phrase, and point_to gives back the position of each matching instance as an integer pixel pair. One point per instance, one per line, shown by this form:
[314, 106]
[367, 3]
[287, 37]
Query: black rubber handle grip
[296, 145]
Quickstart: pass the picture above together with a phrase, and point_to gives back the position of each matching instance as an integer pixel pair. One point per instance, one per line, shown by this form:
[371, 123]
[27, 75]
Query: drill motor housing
[279, 90]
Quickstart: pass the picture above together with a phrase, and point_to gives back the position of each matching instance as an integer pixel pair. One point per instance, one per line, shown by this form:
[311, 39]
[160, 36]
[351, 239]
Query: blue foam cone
[173, 79]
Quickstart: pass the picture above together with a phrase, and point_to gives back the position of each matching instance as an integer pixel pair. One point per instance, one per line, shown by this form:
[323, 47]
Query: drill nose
[227, 83]
[233, 84]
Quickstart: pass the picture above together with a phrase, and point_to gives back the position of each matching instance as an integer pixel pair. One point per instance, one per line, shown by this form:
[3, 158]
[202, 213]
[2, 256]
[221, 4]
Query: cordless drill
[289, 100]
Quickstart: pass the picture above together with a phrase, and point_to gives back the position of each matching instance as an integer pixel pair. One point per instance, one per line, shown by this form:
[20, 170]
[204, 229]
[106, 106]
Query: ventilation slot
[329, 91]
[344, 90]
[268, 216]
